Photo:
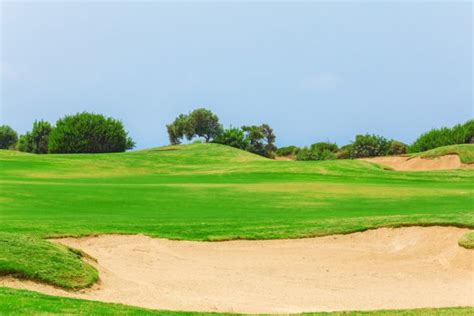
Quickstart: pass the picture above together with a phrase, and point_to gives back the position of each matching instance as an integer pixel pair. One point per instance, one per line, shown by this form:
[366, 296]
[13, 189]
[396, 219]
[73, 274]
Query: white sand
[378, 269]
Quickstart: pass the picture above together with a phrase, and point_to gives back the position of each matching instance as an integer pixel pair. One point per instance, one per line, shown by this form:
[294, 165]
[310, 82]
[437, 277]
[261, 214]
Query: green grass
[205, 192]
[32, 258]
[21, 302]
[465, 152]
[467, 241]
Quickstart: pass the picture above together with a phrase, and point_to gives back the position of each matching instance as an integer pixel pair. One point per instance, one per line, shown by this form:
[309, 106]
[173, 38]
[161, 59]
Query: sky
[314, 71]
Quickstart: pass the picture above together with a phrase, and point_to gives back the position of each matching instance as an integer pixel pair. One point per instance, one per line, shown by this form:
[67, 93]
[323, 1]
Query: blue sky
[313, 71]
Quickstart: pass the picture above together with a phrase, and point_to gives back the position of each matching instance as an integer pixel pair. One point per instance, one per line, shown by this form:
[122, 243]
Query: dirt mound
[378, 269]
[420, 164]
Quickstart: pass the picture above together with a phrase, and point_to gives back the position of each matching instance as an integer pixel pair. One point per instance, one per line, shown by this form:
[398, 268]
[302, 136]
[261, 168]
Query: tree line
[78, 133]
[95, 133]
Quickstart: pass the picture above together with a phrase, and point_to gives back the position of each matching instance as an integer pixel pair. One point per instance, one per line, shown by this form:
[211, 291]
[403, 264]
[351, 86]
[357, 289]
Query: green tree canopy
[234, 137]
[261, 140]
[37, 140]
[89, 133]
[370, 146]
[437, 137]
[8, 137]
[200, 122]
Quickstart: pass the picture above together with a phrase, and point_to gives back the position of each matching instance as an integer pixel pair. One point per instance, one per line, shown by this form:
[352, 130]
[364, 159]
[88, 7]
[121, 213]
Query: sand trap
[378, 269]
[420, 164]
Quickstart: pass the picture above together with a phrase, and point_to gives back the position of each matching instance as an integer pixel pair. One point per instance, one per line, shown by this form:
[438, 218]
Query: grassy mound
[467, 241]
[15, 302]
[206, 192]
[465, 152]
[37, 259]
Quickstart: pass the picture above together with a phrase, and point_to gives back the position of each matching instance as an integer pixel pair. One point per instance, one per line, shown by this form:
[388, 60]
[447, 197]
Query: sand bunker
[378, 269]
[419, 164]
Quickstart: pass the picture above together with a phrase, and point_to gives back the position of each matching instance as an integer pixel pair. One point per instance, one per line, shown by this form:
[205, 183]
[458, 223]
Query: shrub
[397, 148]
[318, 151]
[369, 146]
[322, 146]
[8, 137]
[286, 151]
[234, 137]
[36, 141]
[437, 137]
[327, 155]
[304, 154]
[345, 152]
[89, 133]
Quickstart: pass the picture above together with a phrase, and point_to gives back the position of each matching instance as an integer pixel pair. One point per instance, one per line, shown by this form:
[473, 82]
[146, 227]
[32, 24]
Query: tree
[370, 146]
[269, 139]
[200, 122]
[37, 140]
[261, 140]
[204, 124]
[89, 133]
[234, 137]
[8, 137]
[178, 129]
[25, 143]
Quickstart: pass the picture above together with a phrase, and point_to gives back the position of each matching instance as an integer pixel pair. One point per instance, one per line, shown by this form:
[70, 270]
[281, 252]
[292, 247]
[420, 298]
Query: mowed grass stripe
[21, 302]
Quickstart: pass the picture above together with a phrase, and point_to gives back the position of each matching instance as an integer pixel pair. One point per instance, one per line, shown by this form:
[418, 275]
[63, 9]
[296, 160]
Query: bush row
[363, 146]
[375, 145]
[78, 133]
[94, 133]
[437, 137]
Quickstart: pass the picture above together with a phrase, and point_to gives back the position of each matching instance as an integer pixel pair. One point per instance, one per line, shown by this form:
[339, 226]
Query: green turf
[206, 192]
[467, 241]
[21, 302]
[465, 152]
[34, 258]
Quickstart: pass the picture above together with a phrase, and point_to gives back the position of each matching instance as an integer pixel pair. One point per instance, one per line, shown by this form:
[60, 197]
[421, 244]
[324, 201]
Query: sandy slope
[378, 269]
[419, 164]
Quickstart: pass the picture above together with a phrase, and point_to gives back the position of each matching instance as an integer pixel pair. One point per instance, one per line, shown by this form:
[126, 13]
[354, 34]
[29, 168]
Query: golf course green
[206, 192]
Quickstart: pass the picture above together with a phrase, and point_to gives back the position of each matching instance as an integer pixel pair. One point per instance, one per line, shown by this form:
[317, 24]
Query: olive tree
[198, 123]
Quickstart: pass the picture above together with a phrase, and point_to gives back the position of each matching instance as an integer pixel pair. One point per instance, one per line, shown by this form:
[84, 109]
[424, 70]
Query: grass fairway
[20, 302]
[205, 192]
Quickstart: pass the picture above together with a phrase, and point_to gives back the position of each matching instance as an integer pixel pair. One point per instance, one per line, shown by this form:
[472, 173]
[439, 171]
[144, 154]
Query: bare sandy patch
[378, 269]
[399, 163]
